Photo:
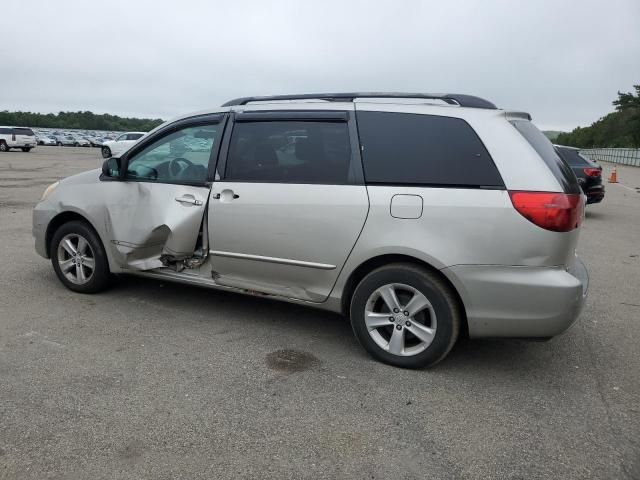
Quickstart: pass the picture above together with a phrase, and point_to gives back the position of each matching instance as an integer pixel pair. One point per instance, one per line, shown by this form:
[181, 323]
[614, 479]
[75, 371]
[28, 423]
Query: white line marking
[628, 188]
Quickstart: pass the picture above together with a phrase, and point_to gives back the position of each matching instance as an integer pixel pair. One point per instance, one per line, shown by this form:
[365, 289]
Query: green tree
[617, 129]
[77, 120]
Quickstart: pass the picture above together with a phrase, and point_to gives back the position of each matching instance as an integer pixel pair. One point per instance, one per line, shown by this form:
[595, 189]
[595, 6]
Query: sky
[563, 61]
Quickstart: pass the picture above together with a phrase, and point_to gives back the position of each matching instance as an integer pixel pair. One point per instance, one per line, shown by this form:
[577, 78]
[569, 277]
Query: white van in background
[113, 148]
[17, 137]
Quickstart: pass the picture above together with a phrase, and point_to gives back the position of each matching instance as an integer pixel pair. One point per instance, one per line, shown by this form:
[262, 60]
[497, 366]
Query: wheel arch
[372, 263]
[66, 217]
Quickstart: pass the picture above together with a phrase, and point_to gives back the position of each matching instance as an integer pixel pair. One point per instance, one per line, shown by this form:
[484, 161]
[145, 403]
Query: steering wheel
[175, 167]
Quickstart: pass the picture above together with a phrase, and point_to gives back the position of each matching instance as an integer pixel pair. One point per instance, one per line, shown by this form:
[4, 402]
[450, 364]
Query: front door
[159, 207]
[290, 205]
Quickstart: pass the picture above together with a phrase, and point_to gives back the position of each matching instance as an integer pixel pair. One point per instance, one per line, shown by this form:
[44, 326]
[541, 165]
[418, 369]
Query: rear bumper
[520, 302]
[594, 193]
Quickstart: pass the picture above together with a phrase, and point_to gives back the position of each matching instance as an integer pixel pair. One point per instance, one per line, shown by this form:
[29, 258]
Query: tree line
[618, 129]
[77, 120]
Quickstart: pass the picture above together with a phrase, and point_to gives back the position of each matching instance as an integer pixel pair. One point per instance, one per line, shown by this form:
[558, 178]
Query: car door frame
[157, 135]
[218, 174]
[194, 121]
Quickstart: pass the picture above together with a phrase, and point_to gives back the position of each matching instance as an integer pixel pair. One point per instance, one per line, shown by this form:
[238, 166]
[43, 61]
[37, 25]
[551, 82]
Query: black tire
[59, 144]
[442, 298]
[106, 152]
[3, 146]
[101, 276]
[26, 149]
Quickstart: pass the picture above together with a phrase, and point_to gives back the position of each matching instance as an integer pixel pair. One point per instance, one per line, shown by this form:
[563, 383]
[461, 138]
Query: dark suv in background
[589, 173]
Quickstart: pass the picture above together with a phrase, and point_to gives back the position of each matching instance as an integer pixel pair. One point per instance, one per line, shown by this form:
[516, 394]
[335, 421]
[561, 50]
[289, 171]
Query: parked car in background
[17, 137]
[45, 140]
[65, 140]
[120, 144]
[588, 172]
[80, 141]
[419, 221]
[94, 141]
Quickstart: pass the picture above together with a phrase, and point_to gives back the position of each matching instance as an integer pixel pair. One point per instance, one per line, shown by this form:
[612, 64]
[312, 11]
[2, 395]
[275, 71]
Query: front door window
[179, 157]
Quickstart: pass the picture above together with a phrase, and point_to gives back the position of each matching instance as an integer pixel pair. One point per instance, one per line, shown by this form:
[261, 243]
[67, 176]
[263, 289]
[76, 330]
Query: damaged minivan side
[389, 213]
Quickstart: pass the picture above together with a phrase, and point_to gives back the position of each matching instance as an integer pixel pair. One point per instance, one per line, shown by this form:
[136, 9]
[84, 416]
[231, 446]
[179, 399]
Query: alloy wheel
[400, 319]
[76, 259]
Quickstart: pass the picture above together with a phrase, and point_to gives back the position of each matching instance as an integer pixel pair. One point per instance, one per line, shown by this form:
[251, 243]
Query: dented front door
[150, 220]
[155, 213]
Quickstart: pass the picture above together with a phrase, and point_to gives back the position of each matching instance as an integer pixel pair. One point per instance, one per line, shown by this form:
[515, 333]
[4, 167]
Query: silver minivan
[420, 217]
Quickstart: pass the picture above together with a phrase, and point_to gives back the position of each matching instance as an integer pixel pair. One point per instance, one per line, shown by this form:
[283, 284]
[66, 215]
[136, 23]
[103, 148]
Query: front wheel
[405, 315]
[59, 144]
[26, 149]
[106, 152]
[79, 259]
[3, 146]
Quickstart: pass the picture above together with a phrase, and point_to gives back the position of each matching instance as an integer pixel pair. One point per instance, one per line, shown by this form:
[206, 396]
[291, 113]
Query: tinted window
[544, 148]
[290, 152]
[23, 131]
[573, 158]
[134, 136]
[5, 131]
[404, 148]
[181, 156]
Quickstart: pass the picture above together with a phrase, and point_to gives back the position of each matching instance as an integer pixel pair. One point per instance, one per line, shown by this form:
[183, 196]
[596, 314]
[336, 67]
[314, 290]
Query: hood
[92, 176]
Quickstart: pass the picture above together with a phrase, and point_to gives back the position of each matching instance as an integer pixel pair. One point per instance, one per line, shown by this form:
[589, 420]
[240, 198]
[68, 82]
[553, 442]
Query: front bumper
[520, 302]
[40, 221]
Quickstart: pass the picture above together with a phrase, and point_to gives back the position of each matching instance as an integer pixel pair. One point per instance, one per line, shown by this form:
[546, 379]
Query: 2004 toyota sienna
[419, 216]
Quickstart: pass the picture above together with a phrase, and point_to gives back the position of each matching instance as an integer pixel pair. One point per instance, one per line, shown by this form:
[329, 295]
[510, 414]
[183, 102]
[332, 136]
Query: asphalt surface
[157, 380]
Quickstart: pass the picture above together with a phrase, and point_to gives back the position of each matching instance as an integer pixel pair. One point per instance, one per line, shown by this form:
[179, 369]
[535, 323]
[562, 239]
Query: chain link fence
[622, 156]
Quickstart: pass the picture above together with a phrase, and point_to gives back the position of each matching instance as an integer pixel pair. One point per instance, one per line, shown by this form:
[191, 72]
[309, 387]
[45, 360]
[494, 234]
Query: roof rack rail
[451, 98]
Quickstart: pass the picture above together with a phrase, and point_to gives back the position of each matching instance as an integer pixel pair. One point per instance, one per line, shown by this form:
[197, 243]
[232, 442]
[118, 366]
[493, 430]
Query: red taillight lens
[592, 172]
[558, 212]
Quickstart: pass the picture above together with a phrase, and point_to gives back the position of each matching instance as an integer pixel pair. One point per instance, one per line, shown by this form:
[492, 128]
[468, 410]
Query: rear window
[23, 131]
[545, 150]
[430, 150]
[573, 157]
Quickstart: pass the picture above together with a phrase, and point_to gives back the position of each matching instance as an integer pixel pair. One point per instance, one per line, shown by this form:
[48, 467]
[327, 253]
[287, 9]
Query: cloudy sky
[562, 61]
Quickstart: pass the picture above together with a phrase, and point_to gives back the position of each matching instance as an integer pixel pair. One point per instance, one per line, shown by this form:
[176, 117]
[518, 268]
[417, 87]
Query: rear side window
[573, 158]
[134, 136]
[5, 131]
[290, 152]
[544, 148]
[23, 131]
[411, 149]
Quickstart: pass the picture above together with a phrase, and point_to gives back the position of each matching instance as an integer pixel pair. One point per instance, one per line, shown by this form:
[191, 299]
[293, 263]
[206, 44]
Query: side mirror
[111, 167]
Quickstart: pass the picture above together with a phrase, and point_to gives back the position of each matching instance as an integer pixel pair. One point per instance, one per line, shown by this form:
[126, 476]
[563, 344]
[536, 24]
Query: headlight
[49, 189]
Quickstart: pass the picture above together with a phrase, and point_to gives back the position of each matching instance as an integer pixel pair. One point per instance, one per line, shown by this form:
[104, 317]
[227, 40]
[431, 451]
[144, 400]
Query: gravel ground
[157, 380]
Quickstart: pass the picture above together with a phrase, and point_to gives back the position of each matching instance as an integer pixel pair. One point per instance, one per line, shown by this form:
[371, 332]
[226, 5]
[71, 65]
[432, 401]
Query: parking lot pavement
[157, 380]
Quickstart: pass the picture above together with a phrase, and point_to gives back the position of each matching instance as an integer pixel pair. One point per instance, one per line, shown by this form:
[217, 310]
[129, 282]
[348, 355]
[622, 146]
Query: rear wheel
[106, 152]
[79, 259]
[3, 146]
[405, 315]
[26, 149]
[59, 144]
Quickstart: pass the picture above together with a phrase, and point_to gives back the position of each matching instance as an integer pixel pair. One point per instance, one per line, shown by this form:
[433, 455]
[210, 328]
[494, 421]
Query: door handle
[225, 195]
[190, 199]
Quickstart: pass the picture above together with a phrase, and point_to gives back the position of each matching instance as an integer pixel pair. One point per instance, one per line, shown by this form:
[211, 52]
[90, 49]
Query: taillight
[558, 212]
[592, 172]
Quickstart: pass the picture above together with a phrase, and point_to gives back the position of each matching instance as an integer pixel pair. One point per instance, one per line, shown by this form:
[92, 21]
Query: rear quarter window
[573, 157]
[23, 131]
[426, 150]
[541, 144]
